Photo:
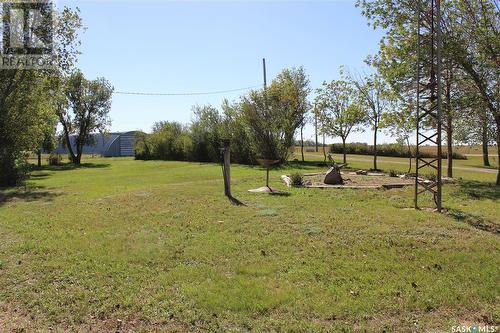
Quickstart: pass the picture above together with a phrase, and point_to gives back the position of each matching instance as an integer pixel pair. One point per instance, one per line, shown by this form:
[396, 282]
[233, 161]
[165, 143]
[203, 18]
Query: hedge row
[387, 149]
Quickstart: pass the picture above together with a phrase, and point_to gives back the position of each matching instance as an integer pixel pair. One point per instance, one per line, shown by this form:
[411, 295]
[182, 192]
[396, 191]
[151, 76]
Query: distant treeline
[388, 149]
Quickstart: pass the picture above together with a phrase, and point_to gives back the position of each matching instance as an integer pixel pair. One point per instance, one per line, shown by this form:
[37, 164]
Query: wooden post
[264, 72]
[227, 168]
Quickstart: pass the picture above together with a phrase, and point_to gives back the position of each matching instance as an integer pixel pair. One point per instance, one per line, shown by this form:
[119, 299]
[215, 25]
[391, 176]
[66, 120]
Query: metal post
[439, 107]
[429, 115]
[419, 8]
[267, 177]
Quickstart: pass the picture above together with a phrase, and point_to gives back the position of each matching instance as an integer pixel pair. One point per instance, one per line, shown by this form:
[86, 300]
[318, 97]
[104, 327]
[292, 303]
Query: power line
[184, 94]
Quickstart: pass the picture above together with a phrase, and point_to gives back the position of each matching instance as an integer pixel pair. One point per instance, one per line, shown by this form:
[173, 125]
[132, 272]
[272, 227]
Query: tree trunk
[343, 150]
[79, 150]
[449, 127]
[375, 149]
[302, 142]
[324, 151]
[497, 118]
[485, 141]
[70, 148]
[67, 137]
[449, 142]
[39, 155]
[316, 131]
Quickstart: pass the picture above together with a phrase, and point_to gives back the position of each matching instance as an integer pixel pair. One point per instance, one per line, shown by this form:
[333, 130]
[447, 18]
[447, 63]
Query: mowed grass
[124, 245]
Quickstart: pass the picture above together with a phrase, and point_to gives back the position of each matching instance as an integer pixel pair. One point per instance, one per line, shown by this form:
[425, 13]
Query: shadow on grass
[40, 176]
[71, 166]
[22, 195]
[280, 194]
[474, 220]
[235, 201]
[479, 190]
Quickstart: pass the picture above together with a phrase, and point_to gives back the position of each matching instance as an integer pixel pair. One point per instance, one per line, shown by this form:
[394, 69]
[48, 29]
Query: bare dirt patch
[353, 180]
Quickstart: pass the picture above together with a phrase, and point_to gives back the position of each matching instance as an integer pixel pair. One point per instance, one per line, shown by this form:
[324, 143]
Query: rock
[362, 172]
[287, 180]
[333, 177]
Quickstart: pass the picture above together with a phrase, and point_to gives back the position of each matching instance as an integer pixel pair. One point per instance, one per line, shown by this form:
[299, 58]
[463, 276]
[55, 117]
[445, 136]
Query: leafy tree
[400, 124]
[470, 38]
[321, 123]
[49, 142]
[274, 115]
[25, 115]
[375, 97]
[302, 125]
[170, 141]
[206, 133]
[235, 130]
[84, 110]
[26, 106]
[338, 110]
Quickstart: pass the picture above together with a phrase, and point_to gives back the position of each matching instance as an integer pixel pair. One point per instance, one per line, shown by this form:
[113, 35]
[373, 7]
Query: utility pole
[316, 129]
[264, 70]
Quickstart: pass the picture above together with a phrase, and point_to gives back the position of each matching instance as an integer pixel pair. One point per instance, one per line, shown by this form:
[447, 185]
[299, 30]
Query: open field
[463, 150]
[118, 245]
[471, 168]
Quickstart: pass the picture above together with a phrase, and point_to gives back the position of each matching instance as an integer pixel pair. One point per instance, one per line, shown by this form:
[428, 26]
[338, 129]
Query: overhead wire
[184, 93]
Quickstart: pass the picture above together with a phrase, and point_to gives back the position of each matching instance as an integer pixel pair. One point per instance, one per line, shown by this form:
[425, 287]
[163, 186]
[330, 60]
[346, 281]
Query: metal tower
[429, 118]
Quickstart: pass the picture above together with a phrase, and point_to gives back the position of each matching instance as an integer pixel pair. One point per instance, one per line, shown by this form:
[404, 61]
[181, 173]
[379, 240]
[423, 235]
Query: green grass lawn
[127, 245]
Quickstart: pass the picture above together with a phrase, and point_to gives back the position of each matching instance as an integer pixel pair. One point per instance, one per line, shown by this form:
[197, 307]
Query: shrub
[169, 141]
[206, 134]
[387, 149]
[297, 179]
[393, 173]
[430, 176]
[54, 159]
[200, 141]
[14, 168]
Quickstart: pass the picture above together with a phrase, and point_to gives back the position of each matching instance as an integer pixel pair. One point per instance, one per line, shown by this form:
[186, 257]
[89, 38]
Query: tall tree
[471, 39]
[85, 111]
[375, 97]
[26, 105]
[305, 120]
[473, 28]
[274, 115]
[400, 123]
[338, 110]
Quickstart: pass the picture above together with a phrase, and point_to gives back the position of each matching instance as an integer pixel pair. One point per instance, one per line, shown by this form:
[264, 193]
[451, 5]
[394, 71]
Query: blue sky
[188, 46]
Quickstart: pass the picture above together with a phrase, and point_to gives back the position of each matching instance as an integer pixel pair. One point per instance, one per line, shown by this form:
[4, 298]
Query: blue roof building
[108, 145]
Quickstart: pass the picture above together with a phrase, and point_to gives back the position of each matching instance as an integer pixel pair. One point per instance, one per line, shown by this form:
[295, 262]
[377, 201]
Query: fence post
[227, 168]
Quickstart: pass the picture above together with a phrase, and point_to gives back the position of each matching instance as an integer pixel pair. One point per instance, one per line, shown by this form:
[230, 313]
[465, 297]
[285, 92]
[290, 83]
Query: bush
[430, 176]
[393, 173]
[14, 168]
[54, 159]
[199, 142]
[169, 141]
[206, 134]
[297, 179]
[387, 149]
